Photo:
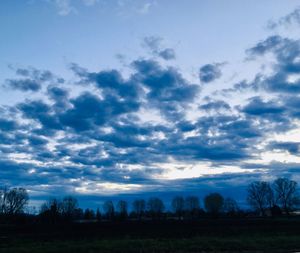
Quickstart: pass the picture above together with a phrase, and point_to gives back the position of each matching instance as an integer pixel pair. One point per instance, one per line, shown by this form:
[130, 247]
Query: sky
[136, 98]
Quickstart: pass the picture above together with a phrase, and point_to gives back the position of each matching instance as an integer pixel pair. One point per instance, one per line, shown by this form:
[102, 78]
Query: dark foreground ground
[222, 235]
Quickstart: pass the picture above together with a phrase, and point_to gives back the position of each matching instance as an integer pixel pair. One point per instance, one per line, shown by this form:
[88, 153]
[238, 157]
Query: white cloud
[66, 7]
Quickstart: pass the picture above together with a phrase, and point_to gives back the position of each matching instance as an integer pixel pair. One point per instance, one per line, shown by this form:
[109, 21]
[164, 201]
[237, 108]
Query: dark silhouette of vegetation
[192, 206]
[178, 206]
[109, 209]
[285, 194]
[281, 196]
[139, 207]
[214, 203]
[222, 223]
[13, 201]
[266, 199]
[89, 214]
[230, 207]
[98, 215]
[260, 196]
[155, 207]
[122, 209]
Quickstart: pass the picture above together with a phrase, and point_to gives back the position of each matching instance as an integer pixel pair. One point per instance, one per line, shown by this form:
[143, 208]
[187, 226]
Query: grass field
[162, 236]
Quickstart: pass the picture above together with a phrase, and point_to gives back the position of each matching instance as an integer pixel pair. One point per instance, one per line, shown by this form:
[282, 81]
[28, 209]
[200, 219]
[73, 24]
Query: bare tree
[139, 206]
[260, 196]
[192, 206]
[3, 195]
[89, 214]
[51, 210]
[69, 206]
[286, 194]
[214, 203]
[230, 206]
[13, 201]
[178, 206]
[122, 209]
[155, 207]
[109, 209]
[98, 215]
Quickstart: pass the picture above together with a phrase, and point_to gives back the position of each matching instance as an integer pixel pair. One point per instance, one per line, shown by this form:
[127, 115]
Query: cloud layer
[150, 128]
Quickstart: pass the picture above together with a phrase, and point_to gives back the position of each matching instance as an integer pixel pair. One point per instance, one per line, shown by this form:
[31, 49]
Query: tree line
[265, 198]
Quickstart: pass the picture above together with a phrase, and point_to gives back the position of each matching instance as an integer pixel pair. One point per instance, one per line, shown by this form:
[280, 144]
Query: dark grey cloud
[257, 106]
[168, 90]
[291, 147]
[215, 106]
[8, 125]
[57, 93]
[23, 85]
[31, 79]
[286, 52]
[89, 110]
[210, 72]
[40, 112]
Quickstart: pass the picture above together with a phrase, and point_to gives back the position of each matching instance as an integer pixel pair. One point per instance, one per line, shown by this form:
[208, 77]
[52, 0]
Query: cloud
[271, 43]
[66, 7]
[291, 147]
[31, 79]
[154, 44]
[168, 90]
[167, 54]
[90, 2]
[145, 8]
[39, 112]
[257, 106]
[7, 125]
[89, 111]
[57, 93]
[289, 19]
[216, 105]
[210, 72]
[23, 85]
[283, 78]
[114, 131]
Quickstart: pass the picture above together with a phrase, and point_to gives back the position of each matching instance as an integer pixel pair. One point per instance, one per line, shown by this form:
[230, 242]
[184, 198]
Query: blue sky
[124, 97]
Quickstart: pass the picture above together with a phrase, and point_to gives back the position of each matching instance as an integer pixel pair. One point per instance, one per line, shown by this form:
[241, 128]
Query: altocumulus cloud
[210, 72]
[134, 133]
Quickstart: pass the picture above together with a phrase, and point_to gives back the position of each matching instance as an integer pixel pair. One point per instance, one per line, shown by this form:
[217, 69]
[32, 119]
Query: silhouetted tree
[139, 207]
[89, 214]
[98, 215]
[78, 214]
[192, 206]
[122, 209]
[155, 207]
[109, 209]
[260, 196]
[51, 210]
[286, 194]
[3, 195]
[13, 201]
[230, 206]
[276, 210]
[214, 203]
[69, 206]
[178, 206]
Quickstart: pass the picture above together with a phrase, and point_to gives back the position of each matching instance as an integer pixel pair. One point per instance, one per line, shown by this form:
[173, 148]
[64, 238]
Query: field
[222, 235]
